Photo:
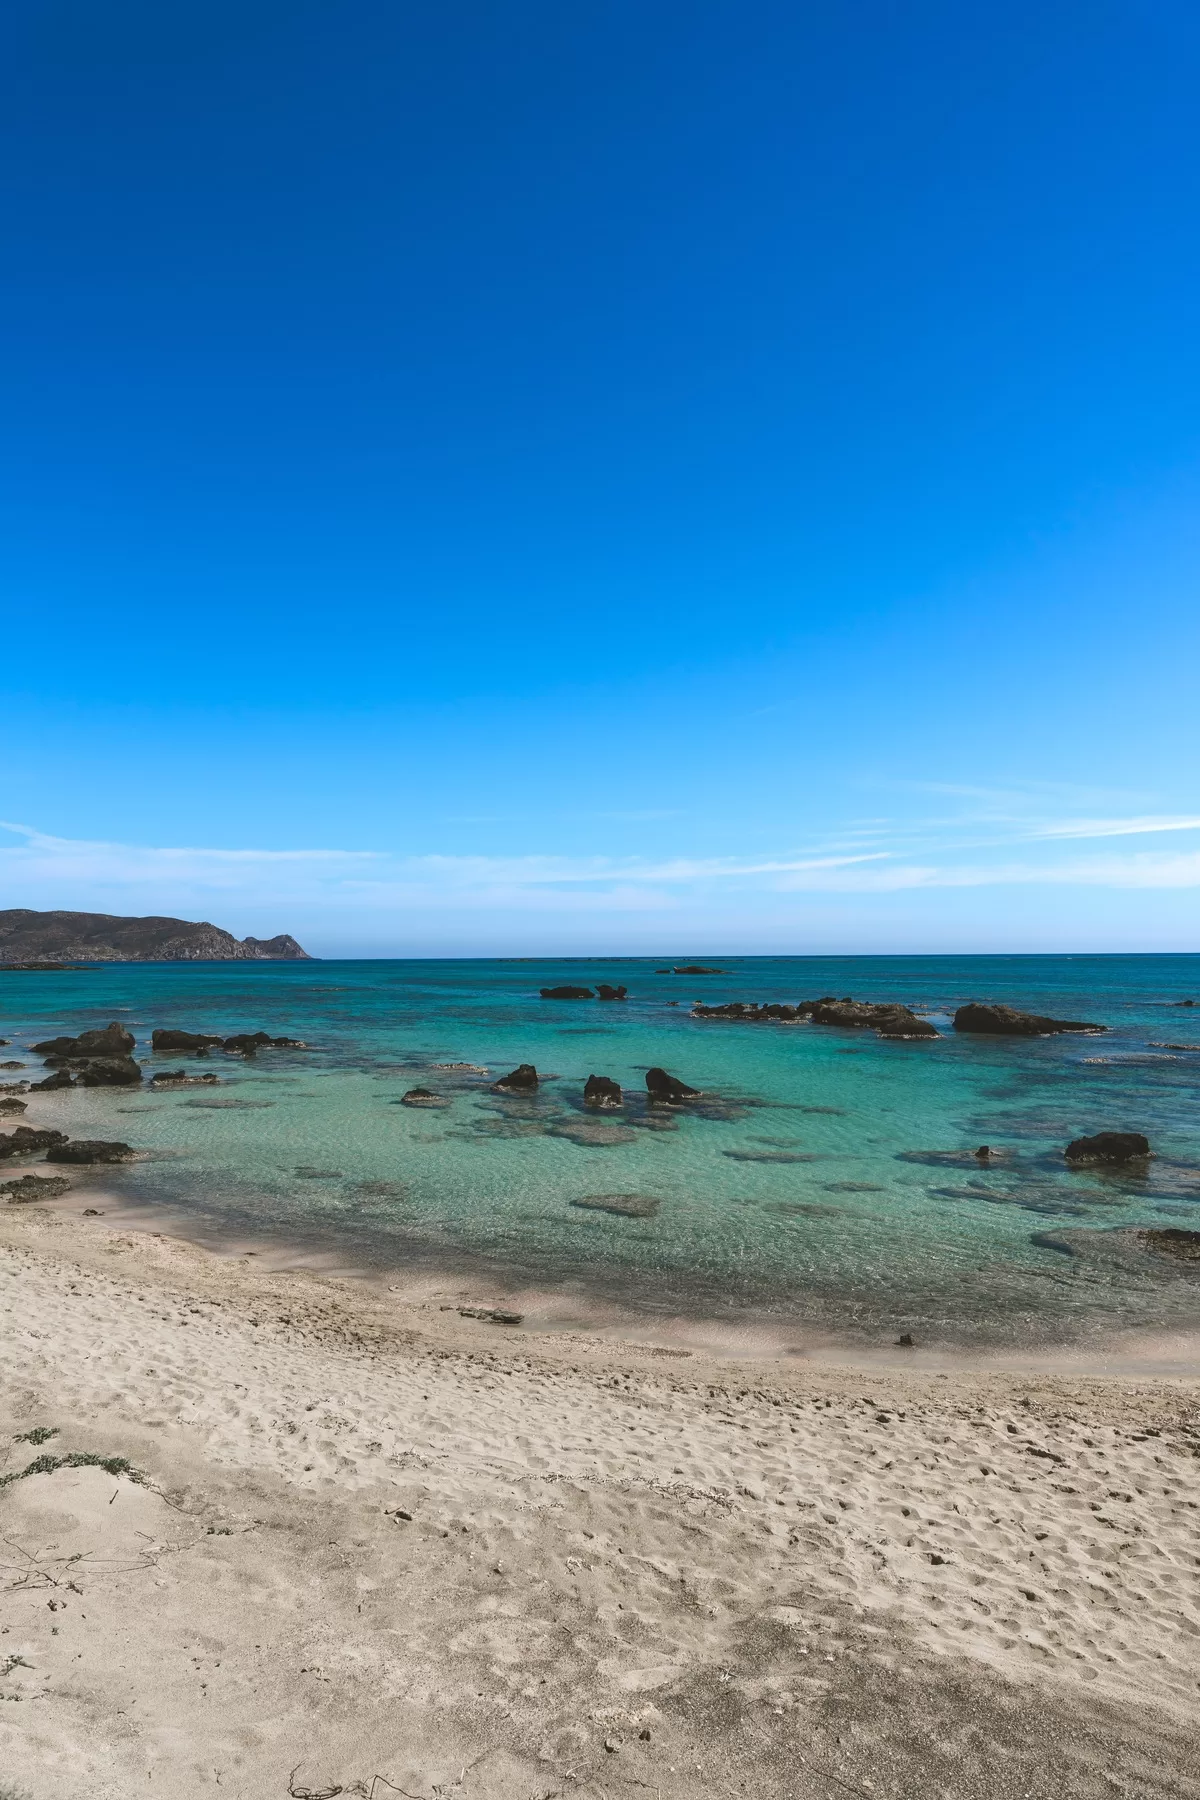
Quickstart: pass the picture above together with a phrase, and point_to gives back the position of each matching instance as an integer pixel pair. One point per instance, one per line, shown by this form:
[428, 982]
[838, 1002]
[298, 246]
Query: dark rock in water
[667, 1090]
[768, 1156]
[13, 1106]
[90, 1150]
[522, 1080]
[34, 1188]
[183, 1040]
[602, 1093]
[110, 1071]
[1109, 1147]
[174, 1078]
[567, 993]
[983, 1154]
[605, 992]
[12, 1065]
[61, 1078]
[306, 1173]
[114, 1040]
[421, 1096]
[696, 969]
[887, 1017]
[626, 1206]
[27, 1138]
[1185, 1003]
[249, 1043]
[491, 1315]
[1006, 1021]
[662, 971]
[905, 1341]
[1184, 1246]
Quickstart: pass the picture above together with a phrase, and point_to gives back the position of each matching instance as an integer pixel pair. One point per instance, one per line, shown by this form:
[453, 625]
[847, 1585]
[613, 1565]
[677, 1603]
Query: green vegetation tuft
[38, 1435]
[77, 1459]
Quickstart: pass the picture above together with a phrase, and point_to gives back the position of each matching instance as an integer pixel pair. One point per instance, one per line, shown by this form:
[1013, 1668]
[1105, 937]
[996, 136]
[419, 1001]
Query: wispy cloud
[42, 870]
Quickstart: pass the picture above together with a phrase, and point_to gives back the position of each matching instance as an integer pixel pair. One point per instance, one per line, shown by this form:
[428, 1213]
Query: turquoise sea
[827, 1177]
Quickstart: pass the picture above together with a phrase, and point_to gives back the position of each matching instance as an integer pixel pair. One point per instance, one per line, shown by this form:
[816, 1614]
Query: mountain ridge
[31, 937]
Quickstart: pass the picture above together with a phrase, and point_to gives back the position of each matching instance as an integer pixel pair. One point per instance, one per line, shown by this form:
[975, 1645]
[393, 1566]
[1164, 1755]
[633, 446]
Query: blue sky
[657, 477]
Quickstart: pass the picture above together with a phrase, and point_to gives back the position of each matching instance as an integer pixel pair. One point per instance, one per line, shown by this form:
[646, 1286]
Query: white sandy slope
[382, 1549]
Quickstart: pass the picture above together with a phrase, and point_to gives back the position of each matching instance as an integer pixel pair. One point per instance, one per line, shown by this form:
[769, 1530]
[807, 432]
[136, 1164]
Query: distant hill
[33, 937]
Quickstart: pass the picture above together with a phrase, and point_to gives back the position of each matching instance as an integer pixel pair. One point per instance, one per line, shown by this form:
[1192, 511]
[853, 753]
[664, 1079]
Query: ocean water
[827, 1177]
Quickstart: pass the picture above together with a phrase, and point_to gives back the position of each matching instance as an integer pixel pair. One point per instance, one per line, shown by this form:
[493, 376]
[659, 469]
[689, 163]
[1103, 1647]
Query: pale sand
[797, 1580]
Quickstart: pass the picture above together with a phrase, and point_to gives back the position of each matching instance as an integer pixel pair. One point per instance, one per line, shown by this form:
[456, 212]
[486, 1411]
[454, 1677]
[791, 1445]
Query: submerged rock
[421, 1096]
[748, 1012]
[114, 1040]
[521, 1080]
[90, 1150]
[626, 1206]
[1109, 1147]
[34, 1188]
[668, 1090]
[1170, 1240]
[27, 1139]
[61, 1078]
[888, 1018]
[183, 1040]
[592, 1133]
[601, 1092]
[567, 993]
[1006, 1021]
[693, 969]
[174, 1078]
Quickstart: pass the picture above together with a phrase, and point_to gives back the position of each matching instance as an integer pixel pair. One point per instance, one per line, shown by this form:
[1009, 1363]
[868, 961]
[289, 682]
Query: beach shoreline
[547, 1310]
[386, 1539]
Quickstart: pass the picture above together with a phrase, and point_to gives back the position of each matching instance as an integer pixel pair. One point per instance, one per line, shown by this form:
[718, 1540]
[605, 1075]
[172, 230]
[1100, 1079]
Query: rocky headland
[40, 939]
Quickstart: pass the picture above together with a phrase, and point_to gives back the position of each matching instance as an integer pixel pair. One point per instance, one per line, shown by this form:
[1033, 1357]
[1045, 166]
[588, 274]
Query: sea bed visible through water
[825, 1178]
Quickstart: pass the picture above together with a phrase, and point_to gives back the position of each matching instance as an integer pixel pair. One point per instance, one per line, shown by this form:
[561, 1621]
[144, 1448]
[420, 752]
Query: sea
[825, 1180]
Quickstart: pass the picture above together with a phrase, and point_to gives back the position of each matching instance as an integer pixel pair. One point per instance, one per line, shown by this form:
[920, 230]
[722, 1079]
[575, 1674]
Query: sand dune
[369, 1546]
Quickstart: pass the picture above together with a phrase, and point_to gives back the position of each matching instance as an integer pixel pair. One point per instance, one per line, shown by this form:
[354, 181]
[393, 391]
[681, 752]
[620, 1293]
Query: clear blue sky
[582, 477]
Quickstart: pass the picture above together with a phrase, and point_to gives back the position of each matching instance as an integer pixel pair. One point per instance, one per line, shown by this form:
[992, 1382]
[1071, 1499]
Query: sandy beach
[367, 1545]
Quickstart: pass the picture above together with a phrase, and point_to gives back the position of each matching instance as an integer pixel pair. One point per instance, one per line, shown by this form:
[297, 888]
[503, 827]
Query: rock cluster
[567, 993]
[90, 1150]
[102, 1058]
[887, 1017]
[27, 1138]
[605, 992]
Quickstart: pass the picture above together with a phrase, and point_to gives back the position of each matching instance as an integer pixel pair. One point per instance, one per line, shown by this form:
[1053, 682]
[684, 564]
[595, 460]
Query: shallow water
[827, 1177]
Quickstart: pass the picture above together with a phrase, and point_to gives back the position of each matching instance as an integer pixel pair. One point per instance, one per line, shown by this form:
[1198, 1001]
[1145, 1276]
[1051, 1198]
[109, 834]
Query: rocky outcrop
[668, 1090]
[90, 1150]
[605, 992]
[567, 993]
[173, 1078]
[114, 1040]
[27, 1139]
[61, 1078]
[602, 1093]
[421, 1096]
[249, 1043]
[193, 1041]
[1171, 1240]
[1006, 1021]
[32, 1188]
[41, 938]
[887, 1017]
[693, 969]
[12, 1106]
[522, 1080]
[109, 1071]
[1109, 1147]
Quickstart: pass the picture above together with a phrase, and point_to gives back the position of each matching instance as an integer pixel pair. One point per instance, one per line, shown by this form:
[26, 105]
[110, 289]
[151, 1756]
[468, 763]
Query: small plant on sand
[77, 1459]
[38, 1435]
